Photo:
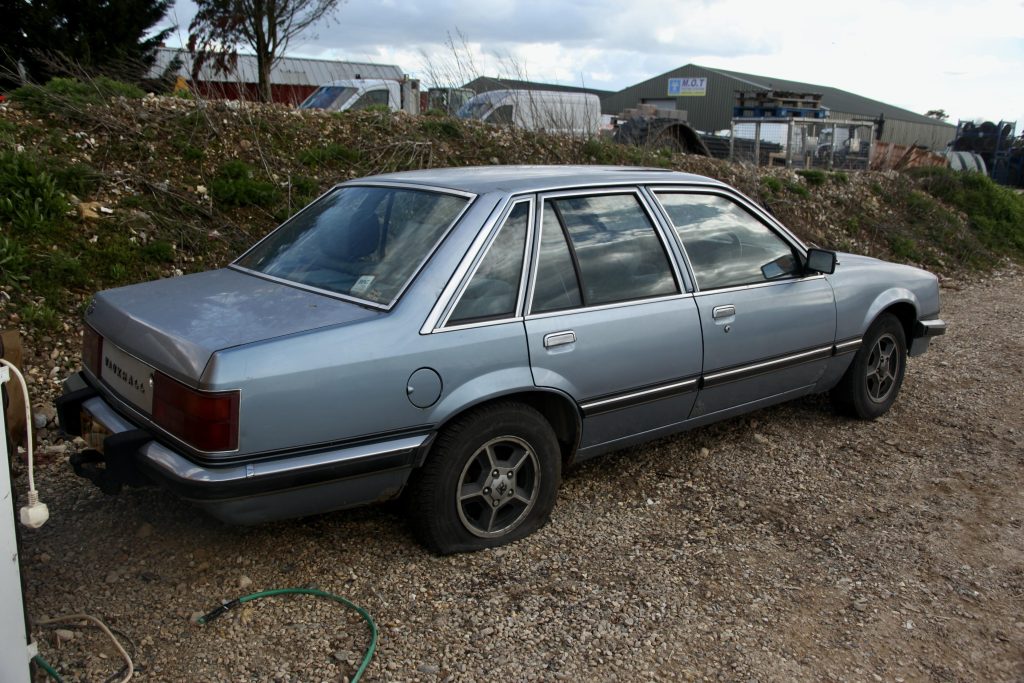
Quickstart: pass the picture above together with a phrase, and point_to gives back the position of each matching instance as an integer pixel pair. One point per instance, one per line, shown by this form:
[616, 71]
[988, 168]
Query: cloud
[919, 54]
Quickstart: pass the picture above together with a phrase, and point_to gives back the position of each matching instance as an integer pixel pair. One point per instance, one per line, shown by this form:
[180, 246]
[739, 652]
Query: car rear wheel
[491, 478]
[873, 380]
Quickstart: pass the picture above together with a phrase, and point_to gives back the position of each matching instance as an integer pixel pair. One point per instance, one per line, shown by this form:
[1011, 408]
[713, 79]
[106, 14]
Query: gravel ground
[788, 545]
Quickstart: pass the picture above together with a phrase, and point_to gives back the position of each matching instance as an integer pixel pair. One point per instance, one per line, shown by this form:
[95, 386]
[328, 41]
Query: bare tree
[266, 26]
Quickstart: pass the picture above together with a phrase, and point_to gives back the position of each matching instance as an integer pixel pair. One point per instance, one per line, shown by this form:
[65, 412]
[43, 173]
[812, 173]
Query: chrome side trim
[846, 347]
[180, 468]
[751, 370]
[635, 398]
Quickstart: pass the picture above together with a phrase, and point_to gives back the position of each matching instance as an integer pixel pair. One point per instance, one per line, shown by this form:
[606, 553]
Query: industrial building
[709, 97]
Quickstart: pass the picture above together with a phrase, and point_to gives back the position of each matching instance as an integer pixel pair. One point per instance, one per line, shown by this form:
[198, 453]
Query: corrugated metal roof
[834, 98]
[486, 84]
[287, 70]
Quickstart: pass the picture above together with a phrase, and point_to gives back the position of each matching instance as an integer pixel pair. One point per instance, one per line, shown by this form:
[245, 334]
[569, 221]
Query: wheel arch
[558, 409]
[900, 303]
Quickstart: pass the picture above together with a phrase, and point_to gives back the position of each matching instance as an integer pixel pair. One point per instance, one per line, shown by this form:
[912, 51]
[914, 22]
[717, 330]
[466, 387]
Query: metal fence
[802, 142]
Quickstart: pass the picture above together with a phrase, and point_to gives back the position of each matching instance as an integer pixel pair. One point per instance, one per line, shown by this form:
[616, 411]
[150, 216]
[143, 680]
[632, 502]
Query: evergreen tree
[96, 36]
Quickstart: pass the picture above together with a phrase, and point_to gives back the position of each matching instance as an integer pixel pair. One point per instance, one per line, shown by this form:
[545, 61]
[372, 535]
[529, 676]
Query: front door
[768, 330]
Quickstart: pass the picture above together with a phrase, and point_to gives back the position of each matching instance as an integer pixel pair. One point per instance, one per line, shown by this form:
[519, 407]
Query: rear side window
[556, 287]
[727, 246]
[493, 291]
[613, 248]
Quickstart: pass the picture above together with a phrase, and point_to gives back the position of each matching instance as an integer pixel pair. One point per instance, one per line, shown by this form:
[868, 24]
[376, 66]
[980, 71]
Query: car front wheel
[873, 380]
[491, 478]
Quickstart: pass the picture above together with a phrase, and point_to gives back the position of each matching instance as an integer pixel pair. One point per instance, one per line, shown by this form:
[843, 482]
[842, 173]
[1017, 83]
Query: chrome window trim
[604, 307]
[469, 196]
[755, 212]
[479, 259]
[636, 191]
[757, 285]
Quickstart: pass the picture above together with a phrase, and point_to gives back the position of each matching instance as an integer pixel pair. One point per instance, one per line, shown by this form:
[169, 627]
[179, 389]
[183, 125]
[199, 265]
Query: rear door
[609, 322]
[768, 329]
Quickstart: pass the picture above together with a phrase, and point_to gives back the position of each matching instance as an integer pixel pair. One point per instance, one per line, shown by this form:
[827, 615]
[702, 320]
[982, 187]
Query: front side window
[363, 242]
[615, 250]
[370, 99]
[501, 115]
[493, 291]
[726, 246]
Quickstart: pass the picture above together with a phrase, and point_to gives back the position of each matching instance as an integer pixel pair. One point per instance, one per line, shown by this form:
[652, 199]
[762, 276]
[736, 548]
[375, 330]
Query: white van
[360, 93]
[552, 111]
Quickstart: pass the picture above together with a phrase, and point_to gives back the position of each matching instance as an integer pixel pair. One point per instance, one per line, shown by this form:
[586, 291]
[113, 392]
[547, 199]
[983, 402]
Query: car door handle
[723, 311]
[559, 339]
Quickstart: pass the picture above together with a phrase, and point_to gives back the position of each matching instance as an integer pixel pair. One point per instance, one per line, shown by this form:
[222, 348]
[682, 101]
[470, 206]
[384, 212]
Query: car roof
[514, 179]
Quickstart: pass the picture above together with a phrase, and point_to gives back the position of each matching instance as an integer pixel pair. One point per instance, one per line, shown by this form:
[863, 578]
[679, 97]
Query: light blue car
[459, 336]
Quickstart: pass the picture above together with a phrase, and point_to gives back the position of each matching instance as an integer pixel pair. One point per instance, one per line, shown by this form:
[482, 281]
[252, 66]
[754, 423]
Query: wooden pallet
[777, 98]
[779, 112]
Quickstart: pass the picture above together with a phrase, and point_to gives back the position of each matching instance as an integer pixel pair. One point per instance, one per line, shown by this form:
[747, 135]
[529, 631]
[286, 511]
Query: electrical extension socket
[35, 514]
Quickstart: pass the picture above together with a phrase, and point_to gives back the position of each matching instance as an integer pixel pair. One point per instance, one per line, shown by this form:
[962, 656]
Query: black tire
[872, 382]
[504, 461]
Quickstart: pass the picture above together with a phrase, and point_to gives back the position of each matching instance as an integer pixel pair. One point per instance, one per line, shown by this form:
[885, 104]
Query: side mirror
[821, 261]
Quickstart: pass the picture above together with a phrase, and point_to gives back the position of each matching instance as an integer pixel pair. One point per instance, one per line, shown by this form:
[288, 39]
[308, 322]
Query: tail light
[207, 421]
[92, 350]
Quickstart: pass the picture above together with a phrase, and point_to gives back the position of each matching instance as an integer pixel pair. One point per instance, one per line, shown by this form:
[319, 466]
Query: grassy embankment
[101, 186]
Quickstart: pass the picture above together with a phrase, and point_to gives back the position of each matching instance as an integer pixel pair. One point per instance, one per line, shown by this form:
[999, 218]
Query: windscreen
[332, 97]
[477, 107]
[363, 242]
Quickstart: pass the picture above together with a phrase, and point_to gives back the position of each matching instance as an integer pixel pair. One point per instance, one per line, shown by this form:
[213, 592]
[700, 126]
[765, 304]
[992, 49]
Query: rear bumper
[924, 330]
[299, 484]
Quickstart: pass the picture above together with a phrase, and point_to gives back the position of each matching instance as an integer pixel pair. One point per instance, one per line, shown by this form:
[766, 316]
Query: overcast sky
[964, 57]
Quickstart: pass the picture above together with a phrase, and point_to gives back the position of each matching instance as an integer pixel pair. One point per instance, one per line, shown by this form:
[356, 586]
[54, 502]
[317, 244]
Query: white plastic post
[15, 651]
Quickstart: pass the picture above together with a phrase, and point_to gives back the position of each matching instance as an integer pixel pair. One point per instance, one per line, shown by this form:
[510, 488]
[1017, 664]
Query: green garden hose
[48, 668]
[227, 606]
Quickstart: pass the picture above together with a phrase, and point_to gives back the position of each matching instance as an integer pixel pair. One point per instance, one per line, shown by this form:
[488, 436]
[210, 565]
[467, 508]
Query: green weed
[235, 185]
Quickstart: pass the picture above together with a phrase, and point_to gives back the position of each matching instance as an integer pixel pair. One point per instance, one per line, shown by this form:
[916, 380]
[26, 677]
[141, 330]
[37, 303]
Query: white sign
[687, 87]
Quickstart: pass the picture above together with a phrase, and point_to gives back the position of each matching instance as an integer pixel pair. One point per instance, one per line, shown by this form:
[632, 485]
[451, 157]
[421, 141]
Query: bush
[235, 185]
[772, 184]
[13, 263]
[71, 96]
[441, 127]
[797, 189]
[813, 176]
[995, 214]
[79, 179]
[30, 200]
